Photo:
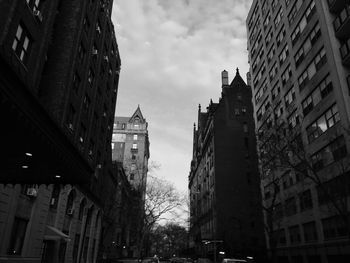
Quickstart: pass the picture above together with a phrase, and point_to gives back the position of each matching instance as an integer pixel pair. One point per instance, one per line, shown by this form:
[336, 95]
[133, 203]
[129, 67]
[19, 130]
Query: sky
[172, 54]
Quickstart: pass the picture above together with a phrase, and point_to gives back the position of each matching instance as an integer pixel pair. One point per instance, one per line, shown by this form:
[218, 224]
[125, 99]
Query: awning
[52, 233]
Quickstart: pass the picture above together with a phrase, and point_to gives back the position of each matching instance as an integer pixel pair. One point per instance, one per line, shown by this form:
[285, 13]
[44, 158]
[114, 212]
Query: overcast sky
[173, 52]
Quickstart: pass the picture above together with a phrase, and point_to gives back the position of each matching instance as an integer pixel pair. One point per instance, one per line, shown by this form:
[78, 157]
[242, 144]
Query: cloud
[172, 55]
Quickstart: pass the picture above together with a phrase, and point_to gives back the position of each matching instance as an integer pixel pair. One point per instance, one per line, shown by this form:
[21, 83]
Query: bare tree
[162, 199]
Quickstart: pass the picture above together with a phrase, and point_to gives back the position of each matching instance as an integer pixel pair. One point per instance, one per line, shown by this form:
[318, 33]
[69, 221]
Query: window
[310, 232]
[132, 177]
[245, 127]
[278, 111]
[271, 53]
[333, 152]
[76, 81]
[289, 97]
[267, 20]
[258, 59]
[323, 123]
[81, 209]
[334, 189]
[22, 42]
[287, 179]
[294, 234]
[134, 146]
[91, 148]
[290, 206]
[55, 196]
[269, 36]
[273, 71]
[319, 60]
[287, 73]
[275, 91]
[86, 102]
[70, 118]
[305, 200]
[259, 74]
[293, 120]
[135, 137]
[284, 54]
[81, 52]
[82, 133]
[333, 227]
[280, 36]
[90, 76]
[244, 110]
[293, 12]
[278, 17]
[261, 91]
[237, 111]
[303, 22]
[263, 108]
[306, 46]
[18, 233]
[34, 4]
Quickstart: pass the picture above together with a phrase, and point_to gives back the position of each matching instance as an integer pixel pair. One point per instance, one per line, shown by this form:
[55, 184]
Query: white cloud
[172, 55]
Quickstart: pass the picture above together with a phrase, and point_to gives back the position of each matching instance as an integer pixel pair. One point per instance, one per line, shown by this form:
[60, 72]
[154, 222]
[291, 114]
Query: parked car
[233, 260]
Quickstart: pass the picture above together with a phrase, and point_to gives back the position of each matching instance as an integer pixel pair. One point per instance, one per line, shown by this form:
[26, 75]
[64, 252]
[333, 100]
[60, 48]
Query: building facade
[130, 146]
[299, 68]
[58, 85]
[225, 210]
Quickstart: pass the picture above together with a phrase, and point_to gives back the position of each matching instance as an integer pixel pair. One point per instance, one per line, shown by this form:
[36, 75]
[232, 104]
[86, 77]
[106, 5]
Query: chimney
[224, 77]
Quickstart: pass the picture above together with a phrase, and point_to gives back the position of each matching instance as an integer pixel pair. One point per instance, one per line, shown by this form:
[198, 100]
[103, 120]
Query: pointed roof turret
[137, 114]
[237, 81]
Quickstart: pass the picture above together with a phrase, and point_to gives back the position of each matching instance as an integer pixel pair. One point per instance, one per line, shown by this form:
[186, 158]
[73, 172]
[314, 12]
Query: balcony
[335, 6]
[345, 53]
[342, 24]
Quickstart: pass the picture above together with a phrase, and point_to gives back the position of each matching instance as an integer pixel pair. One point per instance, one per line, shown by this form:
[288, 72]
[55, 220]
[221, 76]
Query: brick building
[59, 64]
[299, 66]
[225, 210]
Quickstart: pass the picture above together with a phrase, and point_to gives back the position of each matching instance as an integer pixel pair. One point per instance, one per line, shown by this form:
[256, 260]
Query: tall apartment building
[225, 199]
[299, 67]
[130, 146]
[59, 64]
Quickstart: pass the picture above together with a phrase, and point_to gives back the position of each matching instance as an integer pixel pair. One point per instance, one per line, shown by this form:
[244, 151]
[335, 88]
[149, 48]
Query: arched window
[55, 196]
[70, 203]
[81, 209]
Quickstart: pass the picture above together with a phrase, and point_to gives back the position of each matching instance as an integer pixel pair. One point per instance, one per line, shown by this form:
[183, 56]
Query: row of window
[303, 22]
[307, 45]
[334, 151]
[318, 61]
[320, 92]
[323, 123]
[333, 227]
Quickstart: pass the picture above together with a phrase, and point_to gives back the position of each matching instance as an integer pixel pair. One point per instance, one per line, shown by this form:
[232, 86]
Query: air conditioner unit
[32, 192]
[99, 166]
[38, 15]
[70, 211]
[94, 52]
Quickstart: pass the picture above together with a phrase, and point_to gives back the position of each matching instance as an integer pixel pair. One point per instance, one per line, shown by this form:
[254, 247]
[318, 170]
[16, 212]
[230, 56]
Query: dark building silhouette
[226, 213]
[59, 79]
[59, 73]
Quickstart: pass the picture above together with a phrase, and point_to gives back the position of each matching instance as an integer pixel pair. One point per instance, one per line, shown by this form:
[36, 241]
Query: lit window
[134, 146]
[135, 137]
[21, 43]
